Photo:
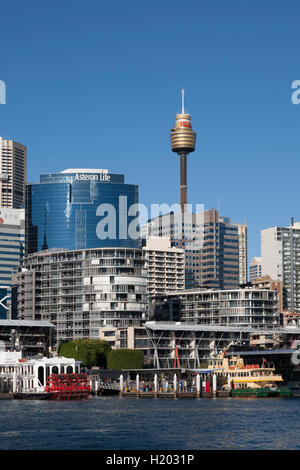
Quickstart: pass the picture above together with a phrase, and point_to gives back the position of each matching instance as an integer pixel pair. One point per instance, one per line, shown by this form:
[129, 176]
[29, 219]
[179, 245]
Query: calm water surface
[130, 423]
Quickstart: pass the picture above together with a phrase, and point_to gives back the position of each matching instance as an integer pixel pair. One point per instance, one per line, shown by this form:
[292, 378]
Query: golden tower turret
[183, 140]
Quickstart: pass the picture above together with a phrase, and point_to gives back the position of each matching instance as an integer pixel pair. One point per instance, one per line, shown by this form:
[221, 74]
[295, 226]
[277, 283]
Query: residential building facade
[165, 266]
[210, 243]
[280, 254]
[13, 157]
[82, 291]
[239, 307]
[255, 268]
[243, 253]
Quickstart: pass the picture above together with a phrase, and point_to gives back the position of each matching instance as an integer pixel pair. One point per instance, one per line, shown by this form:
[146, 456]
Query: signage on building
[92, 177]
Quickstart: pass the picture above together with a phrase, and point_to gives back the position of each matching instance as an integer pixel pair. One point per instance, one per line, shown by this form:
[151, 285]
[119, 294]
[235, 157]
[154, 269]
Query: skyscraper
[12, 173]
[183, 141]
[64, 210]
[243, 261]
[280, 254]
[210, 243]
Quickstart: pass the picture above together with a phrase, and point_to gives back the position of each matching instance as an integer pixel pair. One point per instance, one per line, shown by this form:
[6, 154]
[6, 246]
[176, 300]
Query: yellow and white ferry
[251, 380]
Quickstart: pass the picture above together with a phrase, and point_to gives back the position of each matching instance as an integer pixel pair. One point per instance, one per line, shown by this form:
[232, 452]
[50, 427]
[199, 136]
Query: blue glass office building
[72, 209]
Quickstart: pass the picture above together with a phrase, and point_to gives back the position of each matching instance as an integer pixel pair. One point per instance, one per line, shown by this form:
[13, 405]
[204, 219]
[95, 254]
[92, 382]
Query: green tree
[92, 352]
[125, 359]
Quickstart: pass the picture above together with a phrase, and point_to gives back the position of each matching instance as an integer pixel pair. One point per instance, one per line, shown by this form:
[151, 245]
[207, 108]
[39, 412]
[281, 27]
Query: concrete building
[280, 254]
[210, 243]
[255, 268]
[13, 158]
[165, 266]
[12, 234]
[239, 307]
[131, 337]
[82, 291]
[266, 282]
[243, 253]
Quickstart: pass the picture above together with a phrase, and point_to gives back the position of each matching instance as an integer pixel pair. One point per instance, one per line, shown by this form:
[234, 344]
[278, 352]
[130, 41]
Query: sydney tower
[183, 140]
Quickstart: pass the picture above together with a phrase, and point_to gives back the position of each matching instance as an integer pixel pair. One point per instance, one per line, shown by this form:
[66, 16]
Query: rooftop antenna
[182, 101]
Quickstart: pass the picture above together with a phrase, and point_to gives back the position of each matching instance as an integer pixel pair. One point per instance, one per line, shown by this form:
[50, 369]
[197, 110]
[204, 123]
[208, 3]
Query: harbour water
[130, 423]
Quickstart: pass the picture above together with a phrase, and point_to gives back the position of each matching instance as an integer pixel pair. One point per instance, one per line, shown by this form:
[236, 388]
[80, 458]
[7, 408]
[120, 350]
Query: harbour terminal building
[69, 210]
[82, 291]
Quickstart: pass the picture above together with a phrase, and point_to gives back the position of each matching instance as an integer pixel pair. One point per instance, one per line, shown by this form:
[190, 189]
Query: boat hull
[264, 392]
[32, 396]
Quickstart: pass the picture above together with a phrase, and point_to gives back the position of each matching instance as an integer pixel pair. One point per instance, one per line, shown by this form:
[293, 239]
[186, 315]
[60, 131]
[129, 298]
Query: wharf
[6, 396]
[153, 394]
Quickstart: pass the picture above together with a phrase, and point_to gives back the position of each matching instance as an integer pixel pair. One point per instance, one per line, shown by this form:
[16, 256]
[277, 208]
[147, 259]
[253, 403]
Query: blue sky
[97, 84]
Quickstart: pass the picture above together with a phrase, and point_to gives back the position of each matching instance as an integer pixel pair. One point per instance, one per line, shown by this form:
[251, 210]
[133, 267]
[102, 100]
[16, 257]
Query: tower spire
[182, 101]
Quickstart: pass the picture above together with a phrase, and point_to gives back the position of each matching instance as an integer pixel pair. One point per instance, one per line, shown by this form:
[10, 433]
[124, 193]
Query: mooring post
[155, 385]
[137, 385]
[214, 385]
[175, 385]
[121, 385]
[198, 386]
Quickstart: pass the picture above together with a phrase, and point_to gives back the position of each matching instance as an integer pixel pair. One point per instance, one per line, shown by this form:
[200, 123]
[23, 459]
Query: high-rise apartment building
[237, 307]
[255, 268]
[210, 243]
[82, 291]
[165, 266]
[280, 255]
[243, 254]
[12, 173]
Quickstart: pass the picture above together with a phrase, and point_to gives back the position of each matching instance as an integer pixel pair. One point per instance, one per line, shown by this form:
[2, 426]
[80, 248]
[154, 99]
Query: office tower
[12, 173]
[210, 244]
[12, 233]
[183, 141]
[255, 268]
[78, 209]
[165, 266]
[280, 254]
[243, 262]
[82, 291]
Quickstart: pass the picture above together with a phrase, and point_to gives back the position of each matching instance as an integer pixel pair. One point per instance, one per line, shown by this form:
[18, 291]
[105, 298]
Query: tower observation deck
[183, 140]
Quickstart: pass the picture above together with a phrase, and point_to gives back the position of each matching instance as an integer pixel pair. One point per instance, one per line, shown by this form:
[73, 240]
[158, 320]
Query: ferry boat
[251, 380]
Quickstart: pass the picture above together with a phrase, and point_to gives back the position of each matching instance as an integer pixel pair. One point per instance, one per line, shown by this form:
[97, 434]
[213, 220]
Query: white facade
[243, 253]
[280, 253]
[165, 266]
[255, 268]
[271, 253]
[30, 376]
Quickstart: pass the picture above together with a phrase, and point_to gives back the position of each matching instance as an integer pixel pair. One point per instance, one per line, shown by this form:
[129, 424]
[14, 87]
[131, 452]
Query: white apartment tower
[255, 268]
[165, 266]
[12, 173]
[280, 254]
[243, 254]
